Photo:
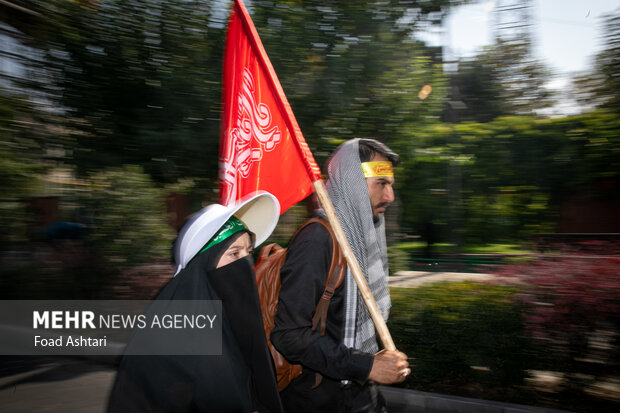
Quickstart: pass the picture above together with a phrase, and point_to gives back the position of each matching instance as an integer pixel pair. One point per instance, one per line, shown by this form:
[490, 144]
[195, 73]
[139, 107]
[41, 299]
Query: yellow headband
[376, 169]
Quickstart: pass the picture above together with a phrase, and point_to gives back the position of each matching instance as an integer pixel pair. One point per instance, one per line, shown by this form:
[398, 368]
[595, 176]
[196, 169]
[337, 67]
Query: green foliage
[140, 81]
[411, 246]
[497, 249]
[398, 259]
[479, 90]
[589, 145]
[504, 180]
[449, 328]
[503, 80]
[137, 82]
[20, 170]
[18, 180]
[129, 225]
[353, 69]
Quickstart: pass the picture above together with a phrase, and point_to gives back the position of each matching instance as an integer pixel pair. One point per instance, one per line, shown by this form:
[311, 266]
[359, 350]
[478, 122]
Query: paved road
[54, 385]
[61, 385]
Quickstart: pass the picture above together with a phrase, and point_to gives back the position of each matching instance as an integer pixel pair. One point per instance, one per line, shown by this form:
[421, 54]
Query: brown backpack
[270, 261]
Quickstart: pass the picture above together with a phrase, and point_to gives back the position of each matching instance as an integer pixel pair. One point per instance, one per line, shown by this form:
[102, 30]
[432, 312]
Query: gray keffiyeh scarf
[349, 193]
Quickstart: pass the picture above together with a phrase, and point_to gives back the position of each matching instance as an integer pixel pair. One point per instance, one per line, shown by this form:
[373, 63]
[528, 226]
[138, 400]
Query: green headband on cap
[231, 227]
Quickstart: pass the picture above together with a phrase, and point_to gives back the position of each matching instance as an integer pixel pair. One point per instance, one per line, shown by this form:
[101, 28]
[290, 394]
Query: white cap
[259, 212]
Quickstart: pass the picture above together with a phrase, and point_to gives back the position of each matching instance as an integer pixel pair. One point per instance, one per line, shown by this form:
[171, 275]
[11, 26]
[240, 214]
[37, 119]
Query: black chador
[241, 379]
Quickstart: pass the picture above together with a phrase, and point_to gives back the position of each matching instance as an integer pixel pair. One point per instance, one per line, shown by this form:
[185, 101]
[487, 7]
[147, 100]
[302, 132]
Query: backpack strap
[335, 276]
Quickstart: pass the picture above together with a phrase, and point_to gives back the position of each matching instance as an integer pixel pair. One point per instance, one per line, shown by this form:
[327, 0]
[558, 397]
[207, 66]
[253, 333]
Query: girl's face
[242, 247]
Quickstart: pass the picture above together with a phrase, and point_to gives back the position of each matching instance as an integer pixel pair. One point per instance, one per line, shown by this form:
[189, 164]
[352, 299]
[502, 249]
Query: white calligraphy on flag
[253, 123]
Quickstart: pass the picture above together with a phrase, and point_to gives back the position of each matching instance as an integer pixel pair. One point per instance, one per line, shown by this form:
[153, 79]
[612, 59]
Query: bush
[129, 217]
[460, 333]
[398, 259]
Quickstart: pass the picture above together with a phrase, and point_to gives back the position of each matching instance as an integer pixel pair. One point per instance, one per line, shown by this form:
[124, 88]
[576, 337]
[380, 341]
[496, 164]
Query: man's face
[381, 190]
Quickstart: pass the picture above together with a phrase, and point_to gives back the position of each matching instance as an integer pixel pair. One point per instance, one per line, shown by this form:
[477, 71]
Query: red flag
[261, 147]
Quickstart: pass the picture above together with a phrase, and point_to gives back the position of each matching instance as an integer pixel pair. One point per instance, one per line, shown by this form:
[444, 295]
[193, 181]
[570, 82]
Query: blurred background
[506, 115]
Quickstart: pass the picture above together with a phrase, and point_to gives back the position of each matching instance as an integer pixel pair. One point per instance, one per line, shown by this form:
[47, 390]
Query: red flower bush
[572, 302]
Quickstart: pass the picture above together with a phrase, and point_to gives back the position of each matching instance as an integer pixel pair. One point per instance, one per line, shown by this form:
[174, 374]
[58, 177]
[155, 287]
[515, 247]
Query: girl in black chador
[214, 262]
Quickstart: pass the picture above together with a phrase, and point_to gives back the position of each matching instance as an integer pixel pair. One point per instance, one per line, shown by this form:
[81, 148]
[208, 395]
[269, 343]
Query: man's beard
[377, 217]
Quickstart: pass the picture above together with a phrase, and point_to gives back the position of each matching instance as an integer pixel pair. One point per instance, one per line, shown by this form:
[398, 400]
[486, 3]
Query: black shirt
[303, 279]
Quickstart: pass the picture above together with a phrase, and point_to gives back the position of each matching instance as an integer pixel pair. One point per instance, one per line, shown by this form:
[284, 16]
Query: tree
[505, 180]
[20, 167]
[503, 80]
[600, 88]
[139, 83]
[354, 69]
[128, 215]
[476, 94]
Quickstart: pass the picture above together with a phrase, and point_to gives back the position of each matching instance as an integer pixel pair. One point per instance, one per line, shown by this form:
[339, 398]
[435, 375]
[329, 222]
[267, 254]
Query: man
[360, 184]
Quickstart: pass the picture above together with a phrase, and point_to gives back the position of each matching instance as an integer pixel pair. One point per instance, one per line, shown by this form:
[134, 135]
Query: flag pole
[356, 270]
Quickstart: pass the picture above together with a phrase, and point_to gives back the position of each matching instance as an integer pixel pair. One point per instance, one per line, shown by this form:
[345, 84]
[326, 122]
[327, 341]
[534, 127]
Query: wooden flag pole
[356, 270]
